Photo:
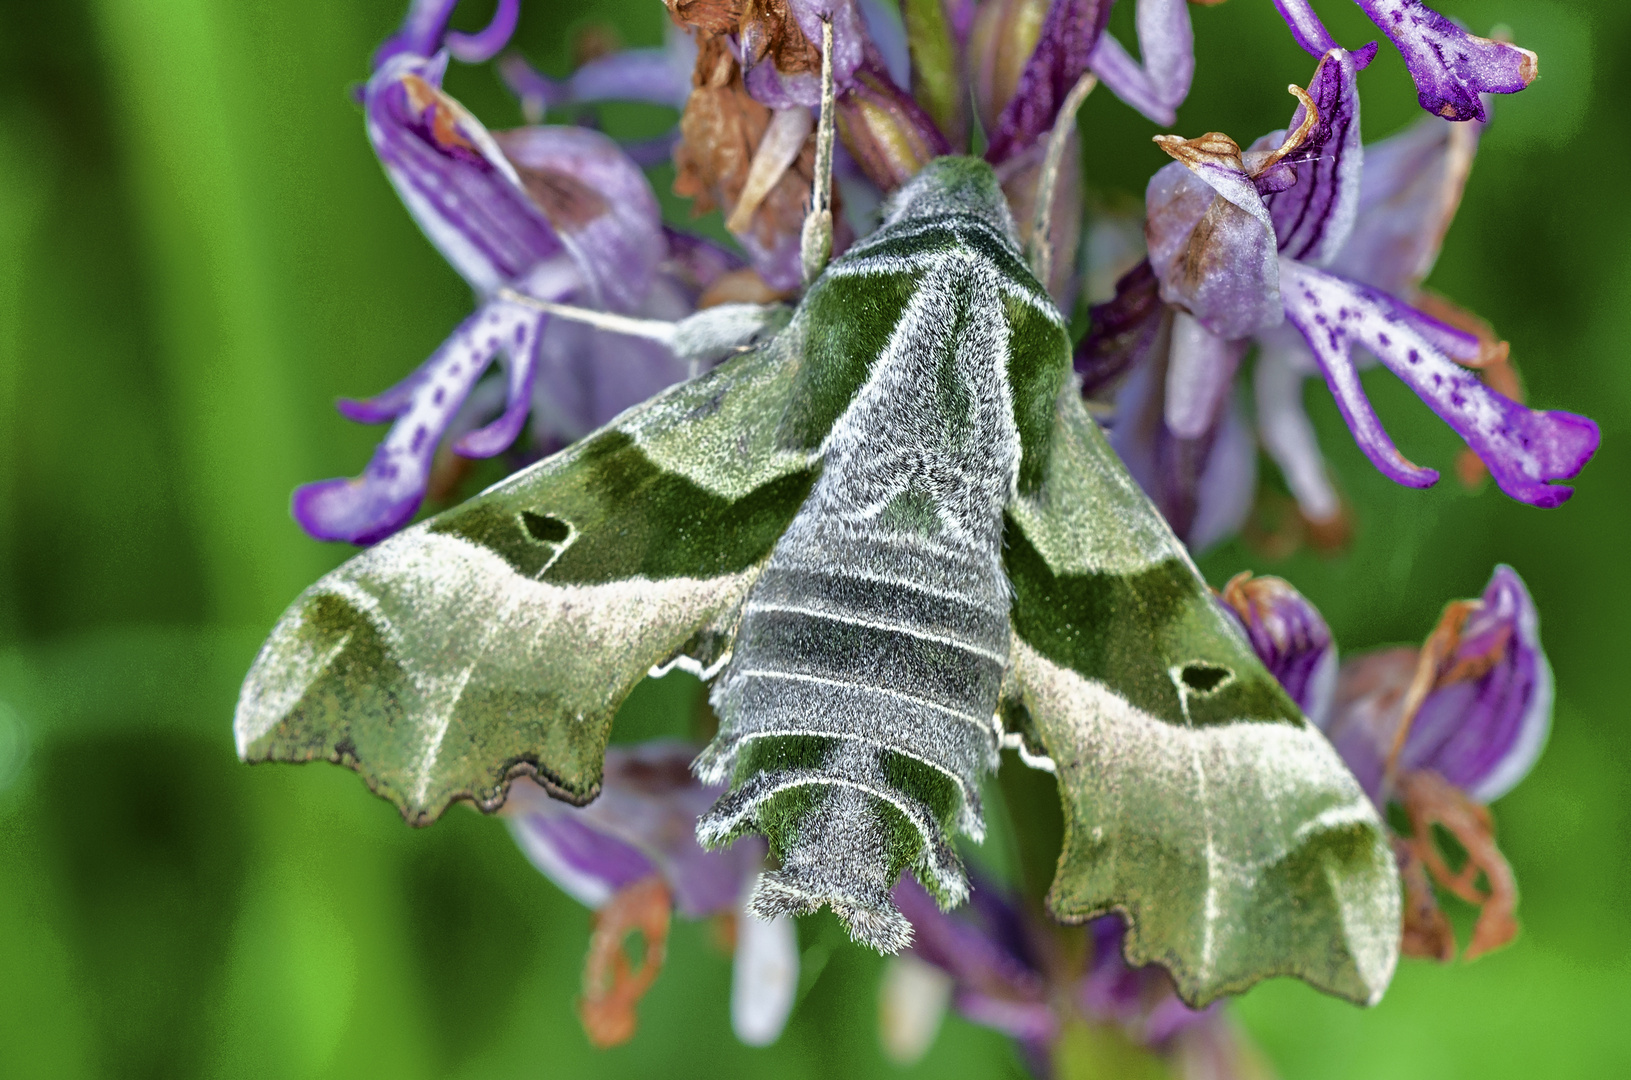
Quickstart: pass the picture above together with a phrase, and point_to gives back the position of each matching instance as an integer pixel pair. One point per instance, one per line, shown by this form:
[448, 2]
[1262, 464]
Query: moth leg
[816, 242]
[1040, 247]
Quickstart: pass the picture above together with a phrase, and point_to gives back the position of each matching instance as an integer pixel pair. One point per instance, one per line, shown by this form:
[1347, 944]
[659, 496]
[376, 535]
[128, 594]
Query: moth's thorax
[859, 699]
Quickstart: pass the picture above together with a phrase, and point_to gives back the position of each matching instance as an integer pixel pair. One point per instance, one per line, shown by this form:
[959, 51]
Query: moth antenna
[655, 329]
[1040, 245]
[816, 243]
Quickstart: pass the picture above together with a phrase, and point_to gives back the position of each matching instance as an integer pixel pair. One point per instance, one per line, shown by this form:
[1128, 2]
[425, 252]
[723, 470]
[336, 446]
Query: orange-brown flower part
[613, 982]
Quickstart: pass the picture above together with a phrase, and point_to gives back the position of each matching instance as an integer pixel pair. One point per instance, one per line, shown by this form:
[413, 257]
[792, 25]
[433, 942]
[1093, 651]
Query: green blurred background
[198, 253]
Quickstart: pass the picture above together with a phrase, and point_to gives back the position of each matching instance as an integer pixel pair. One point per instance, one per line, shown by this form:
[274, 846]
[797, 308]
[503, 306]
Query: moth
[887, 532]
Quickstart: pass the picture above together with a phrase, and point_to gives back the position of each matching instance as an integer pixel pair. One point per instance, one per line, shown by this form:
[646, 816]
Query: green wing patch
[1198, 801]
[498, 639]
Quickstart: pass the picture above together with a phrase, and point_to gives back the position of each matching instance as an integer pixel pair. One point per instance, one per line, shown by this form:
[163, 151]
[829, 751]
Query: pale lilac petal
[1214, 258]
[1200, 371]
[1525, 450]
[887, 31]
[1408, 196]
[659, 76]
[370, 507]
[1450, 66]
[586, 377]
[1069, 34]
[649, 803]
[1484, 735]
[453, 177]
[1306, 26]
[1283, 424]
[1313, 217]
[1291, 637]
[764, 977]
[601, 205]
[1227, 483]
[1166, 42]
[696, 262]
[588, 865]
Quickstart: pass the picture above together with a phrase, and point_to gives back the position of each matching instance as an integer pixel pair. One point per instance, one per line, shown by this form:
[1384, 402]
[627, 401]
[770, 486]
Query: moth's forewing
[499, 638]
[1197, 799]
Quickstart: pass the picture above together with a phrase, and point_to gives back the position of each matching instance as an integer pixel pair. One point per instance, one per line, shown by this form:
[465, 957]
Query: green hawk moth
[889, 534]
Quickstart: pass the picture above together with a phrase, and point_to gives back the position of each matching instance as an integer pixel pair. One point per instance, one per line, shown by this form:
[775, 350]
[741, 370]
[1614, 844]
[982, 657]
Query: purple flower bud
[1487, 701]
[643, 822]
[886, 131]
[1291, 638]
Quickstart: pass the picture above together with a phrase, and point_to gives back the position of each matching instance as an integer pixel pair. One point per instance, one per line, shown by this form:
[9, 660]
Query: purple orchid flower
[1003, 967]
[639, 838]
[1443, 730]
[1242, 248]
[555, 213]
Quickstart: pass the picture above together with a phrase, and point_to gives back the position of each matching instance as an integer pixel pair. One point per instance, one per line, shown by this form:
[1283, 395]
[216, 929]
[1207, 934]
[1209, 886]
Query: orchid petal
[764, 977]
[384, 498]
[1484, 734]
[1314, 217]
[453, 177]
[1287, 434]
[601, 205]
[1524, 450]
[1211, 242]
[587, 376]
[1002, 37]
[764, 43]
[1306, 26]
[1200, 370]
[1411, 188]
[1291, 637]
[1488, 709]
[912, 1002]
[1069, 34]
[649, 803]
[1126, 332]
[485, 44]
[1166, 41]
[1450, 66]
[420, 34]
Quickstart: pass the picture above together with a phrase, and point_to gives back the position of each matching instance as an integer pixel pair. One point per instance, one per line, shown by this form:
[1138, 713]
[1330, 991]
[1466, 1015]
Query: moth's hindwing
[499, 638]
[1198, 801]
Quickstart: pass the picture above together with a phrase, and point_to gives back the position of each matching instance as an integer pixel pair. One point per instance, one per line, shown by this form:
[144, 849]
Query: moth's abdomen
[856, 721]
[857, 710]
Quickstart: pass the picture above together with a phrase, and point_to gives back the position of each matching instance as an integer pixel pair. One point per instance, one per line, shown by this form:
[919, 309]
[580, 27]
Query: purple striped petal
[1485, 720]
[1211, 241]
[1484, 734]
[385, 497]
[1525, 450]
[1291, 638]
[453, 177]
[1408, 196]
[1166, 42]
[601, 205]
[1127, 331]
[1450, 66]
[645, 815]
[1314, 217]
[1069, 35]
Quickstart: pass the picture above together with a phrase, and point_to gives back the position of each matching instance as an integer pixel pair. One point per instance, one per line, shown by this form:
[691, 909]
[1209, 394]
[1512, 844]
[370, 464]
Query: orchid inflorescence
[1306, 245]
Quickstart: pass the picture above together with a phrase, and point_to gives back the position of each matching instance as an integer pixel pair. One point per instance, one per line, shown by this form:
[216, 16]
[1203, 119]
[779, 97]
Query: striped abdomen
[856, 713]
